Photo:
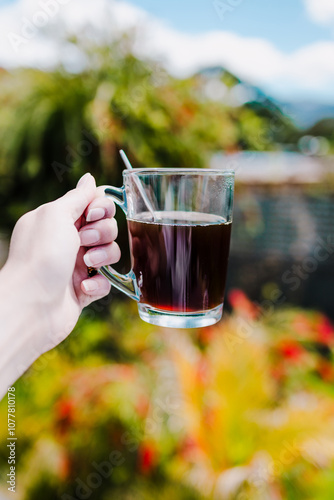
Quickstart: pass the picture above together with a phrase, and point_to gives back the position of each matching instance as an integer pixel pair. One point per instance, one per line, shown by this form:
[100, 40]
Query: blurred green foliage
[123, 409]
[55, 126]
[122, 393]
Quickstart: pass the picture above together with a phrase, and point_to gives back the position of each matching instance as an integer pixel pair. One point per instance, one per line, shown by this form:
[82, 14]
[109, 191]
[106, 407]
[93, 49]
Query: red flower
[146, 458]
[291, 350]
[188, 448]
[64, 414]
[325, 330]
[64, 409]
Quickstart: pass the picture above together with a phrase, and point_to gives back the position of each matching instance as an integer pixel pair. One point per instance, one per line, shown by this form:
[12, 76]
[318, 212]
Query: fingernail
[95, 214]
[95, 258]
[89, 236]
[90, 285]
[83, 180]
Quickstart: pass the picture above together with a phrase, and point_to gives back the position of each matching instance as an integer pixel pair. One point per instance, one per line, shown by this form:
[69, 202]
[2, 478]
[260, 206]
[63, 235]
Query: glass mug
[179, 223]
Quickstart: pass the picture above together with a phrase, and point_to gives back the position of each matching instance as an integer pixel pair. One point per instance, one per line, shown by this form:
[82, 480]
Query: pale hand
[44, 284]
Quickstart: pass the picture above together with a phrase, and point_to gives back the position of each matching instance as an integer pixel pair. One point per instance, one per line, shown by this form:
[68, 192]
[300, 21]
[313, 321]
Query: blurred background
[122, 409]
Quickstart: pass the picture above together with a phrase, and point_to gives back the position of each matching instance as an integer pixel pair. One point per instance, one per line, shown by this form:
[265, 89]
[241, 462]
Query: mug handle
[126, 283]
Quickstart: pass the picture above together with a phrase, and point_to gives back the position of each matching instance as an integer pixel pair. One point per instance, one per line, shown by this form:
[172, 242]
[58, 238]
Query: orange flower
[278, 372]
[206, 335]
[209, 417]
[202, 371]
[142, 405]
[326, 371]
[64, 466]
[241, 303]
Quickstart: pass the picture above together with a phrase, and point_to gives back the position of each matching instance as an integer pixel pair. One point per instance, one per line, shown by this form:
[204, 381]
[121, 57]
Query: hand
[49, 252]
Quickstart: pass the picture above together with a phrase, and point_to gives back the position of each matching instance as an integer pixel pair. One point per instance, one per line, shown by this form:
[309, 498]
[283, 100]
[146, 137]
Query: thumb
[77, 200]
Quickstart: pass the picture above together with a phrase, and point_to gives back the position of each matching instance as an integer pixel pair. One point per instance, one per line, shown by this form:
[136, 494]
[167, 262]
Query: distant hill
[305, 113]
[323, 128]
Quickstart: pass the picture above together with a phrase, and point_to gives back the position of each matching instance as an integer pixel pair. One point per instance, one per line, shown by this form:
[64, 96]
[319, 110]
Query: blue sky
[284, 22]
[285, 47]
[296, 36]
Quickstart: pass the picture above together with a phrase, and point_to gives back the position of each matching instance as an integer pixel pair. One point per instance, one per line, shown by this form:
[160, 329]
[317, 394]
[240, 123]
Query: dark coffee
[180, 261]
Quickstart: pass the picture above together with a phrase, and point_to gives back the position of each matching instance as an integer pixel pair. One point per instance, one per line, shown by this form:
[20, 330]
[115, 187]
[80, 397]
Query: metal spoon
[139, 185]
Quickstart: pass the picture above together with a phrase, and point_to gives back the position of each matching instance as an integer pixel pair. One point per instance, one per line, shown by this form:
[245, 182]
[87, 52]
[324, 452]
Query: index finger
[102, 207]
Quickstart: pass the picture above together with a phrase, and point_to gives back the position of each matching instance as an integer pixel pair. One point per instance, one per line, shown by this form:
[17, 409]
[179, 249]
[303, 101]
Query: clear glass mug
[179, 223]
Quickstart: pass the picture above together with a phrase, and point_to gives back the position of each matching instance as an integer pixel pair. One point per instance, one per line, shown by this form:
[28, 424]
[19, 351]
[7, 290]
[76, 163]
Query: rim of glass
[175, 170]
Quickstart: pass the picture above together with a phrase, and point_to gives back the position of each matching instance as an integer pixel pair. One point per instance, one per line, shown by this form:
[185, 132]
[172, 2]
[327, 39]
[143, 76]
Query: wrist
[22, 322]
[17, 282]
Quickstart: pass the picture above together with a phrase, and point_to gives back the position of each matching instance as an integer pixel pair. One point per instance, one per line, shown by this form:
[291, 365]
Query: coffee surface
[180, 260]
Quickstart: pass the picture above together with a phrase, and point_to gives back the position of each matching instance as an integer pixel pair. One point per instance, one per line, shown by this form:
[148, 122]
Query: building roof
[275, 167]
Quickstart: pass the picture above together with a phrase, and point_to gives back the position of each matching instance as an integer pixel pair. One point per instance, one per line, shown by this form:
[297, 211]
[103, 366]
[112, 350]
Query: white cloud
[249, 58]
[307, 72]
[320, 11]
[303, 73]
[32, 32]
